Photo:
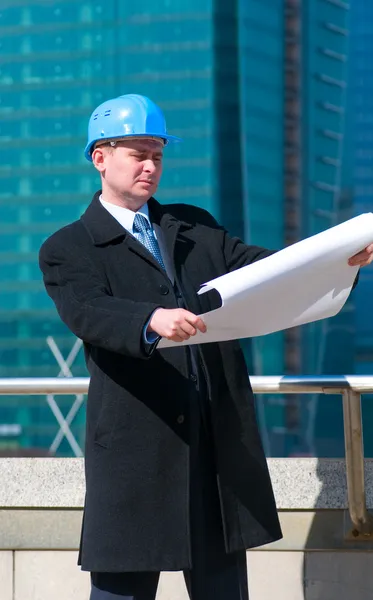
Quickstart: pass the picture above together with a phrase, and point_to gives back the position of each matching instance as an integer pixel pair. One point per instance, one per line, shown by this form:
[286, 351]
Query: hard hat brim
[167, 139]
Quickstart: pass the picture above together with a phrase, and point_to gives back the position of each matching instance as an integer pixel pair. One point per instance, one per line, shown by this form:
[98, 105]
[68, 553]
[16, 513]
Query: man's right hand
[175, 324]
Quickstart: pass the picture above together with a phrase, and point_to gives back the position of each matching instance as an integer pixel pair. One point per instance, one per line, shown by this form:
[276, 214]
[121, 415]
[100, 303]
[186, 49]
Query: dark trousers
[215, 575]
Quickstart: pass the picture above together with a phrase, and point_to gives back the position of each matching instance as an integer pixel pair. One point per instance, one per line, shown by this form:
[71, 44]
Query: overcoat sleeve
[238, 254]
[85, 305]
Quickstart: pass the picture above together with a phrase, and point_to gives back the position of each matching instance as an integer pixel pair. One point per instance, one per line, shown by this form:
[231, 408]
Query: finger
[187, 328]
[201, 325]
[189, 316]
[183, 335]
[179, 338]
[364, 263]
[363, 255]
[197, 322]
[359, 258]
[175, 337]
[179, 331]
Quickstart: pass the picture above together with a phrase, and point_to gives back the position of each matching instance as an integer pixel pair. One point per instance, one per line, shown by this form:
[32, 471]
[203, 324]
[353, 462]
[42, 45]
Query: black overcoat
[105, 285]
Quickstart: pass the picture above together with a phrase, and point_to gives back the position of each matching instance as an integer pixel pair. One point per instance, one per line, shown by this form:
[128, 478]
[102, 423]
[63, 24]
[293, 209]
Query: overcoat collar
[103, 228]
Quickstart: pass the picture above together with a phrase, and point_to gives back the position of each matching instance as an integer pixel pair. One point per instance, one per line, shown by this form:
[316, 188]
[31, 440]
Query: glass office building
[361, 139]
[302, 172]
[255, 88]
[262, 77]
[60, 60]
[326, 201]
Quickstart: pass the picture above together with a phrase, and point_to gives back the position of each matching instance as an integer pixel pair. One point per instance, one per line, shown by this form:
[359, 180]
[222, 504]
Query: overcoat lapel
[104, 229]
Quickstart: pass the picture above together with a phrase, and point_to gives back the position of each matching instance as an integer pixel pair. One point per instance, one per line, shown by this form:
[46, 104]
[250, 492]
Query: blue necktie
[145, 234]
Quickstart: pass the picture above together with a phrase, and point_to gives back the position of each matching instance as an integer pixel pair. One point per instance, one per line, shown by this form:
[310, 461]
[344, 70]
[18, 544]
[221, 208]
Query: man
[176, 478]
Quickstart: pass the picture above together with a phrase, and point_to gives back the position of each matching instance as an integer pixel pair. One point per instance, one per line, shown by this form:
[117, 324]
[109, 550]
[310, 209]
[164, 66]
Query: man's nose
[149, 166]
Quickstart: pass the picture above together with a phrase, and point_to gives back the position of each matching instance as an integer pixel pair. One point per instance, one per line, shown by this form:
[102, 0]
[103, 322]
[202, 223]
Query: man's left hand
[363, 258]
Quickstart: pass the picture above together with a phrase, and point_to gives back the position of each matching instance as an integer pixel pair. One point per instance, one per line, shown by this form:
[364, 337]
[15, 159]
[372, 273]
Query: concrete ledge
[42, 482]
[41, 503]
[308, 483]
[305, 483]
[35, 529]
[59, 529]
[272, 576]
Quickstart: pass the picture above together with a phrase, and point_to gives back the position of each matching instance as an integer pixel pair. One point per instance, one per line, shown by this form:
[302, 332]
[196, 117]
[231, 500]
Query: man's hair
[111, 143]
[104, 144]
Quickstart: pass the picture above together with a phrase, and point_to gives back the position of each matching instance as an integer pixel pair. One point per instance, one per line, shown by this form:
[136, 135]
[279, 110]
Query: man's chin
[144, 190]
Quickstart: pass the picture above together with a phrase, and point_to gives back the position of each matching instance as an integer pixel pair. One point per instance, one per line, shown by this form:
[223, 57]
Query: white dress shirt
[126, 217]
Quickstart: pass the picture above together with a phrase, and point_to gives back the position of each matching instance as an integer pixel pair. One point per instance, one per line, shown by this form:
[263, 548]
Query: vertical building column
[292, 182]
[228, 116]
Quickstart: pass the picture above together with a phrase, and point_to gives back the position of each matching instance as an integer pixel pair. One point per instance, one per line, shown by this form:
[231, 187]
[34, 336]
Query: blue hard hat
[126, 116]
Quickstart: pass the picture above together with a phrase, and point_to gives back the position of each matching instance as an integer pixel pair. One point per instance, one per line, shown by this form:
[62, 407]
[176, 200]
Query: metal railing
[350, 387]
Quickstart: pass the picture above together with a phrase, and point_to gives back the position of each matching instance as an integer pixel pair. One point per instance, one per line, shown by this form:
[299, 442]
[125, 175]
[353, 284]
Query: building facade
[257, 90]
[58, 61]
[326, 346]
[309, 191]
[361, 140]
[262, 78]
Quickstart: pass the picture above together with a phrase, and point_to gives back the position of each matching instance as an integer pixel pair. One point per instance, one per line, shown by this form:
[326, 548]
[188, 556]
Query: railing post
[353, 430]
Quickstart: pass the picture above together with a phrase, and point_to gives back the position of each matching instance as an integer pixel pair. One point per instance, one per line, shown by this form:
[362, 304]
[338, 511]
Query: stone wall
[40, 517]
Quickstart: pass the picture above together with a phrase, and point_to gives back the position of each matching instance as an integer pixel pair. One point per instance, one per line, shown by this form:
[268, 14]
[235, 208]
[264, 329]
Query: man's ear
[98, 159]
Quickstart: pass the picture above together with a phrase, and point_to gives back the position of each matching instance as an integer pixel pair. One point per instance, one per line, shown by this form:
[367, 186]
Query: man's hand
[176, 324]
[363, 258]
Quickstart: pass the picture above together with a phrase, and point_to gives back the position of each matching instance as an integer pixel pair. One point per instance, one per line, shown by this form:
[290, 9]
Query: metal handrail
[350, 387]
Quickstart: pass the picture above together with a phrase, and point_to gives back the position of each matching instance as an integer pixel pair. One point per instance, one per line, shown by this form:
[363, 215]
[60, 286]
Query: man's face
[132, 169]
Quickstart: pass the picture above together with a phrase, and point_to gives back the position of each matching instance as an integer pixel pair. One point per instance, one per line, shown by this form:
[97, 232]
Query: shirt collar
[125, 216]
